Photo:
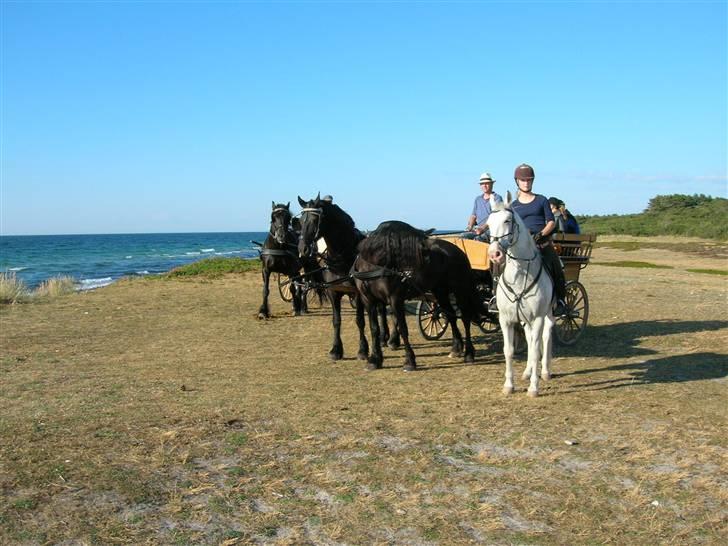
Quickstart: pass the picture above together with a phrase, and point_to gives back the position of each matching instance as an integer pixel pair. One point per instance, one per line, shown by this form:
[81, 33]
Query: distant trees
[686, 215]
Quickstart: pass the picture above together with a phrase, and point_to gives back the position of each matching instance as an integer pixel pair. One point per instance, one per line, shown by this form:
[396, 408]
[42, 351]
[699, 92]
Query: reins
[518, 298]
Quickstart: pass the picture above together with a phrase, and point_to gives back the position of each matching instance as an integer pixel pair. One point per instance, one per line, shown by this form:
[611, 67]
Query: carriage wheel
[489, 325]
[284, 287]
[568, 328]
[430, 320]
[315, 299]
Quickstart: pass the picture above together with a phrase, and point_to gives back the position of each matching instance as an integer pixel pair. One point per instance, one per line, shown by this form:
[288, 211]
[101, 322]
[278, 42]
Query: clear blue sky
[126, 117]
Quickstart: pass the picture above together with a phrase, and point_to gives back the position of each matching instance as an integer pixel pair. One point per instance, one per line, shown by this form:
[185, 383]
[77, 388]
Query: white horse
[524, 293]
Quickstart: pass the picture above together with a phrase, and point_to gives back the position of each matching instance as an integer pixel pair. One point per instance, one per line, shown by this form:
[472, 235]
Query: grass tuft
[630, 263]
[709, 271]
[12, 289]
[56, 286]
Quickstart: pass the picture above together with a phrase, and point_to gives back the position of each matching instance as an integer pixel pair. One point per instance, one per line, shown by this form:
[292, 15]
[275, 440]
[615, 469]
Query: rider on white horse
[524, 291]
[535, 211]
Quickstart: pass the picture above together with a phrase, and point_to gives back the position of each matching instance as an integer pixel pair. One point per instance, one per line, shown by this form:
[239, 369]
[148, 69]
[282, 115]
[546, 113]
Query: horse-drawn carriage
[574, 251]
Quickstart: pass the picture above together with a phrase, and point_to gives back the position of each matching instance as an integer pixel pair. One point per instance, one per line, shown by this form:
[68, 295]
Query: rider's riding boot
[492, 305]
[560, 308]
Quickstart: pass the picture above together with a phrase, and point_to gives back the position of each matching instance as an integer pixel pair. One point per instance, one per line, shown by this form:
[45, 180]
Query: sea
[93, 261]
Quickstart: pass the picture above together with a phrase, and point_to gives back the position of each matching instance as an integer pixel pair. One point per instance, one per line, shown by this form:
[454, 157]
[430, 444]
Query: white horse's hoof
[545, 376]
[532, 394]
[507, 390]
[526, 375]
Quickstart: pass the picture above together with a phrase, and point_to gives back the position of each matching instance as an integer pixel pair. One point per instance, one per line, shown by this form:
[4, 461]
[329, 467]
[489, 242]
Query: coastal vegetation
[682, 215]
[214, 268]
[14, 290]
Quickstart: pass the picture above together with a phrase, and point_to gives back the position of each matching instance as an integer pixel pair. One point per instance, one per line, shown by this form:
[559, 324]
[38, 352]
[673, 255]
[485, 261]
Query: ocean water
[98, 260]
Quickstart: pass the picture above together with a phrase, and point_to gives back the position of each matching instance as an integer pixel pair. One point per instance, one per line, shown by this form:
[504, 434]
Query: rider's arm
[471, 222]
[548, 228]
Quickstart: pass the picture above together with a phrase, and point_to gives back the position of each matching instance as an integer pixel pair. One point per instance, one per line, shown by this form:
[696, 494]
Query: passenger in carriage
[535, 212]
[565, 222]
[477, 227]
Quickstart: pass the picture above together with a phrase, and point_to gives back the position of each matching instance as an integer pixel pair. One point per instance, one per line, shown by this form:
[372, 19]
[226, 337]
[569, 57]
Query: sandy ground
[165, 412]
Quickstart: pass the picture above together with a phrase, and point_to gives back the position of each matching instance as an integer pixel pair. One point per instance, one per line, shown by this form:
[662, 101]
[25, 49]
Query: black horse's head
[280, 220]
[312, 214]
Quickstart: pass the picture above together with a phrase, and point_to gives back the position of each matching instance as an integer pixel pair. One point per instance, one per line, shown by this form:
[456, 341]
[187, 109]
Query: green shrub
[215, 267]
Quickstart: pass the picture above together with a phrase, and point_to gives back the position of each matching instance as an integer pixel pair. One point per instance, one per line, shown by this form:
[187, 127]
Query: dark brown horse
[325, 220]
[397, 262]
[279, 254]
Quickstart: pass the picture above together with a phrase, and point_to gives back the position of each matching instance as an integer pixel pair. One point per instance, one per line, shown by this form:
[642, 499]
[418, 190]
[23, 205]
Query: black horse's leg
[443, 299]
[383, 325]
[296, 293]
[304, 298]
[397, 304]
[363, 344]
[467, 311]
[264, 311]
[376, 358]
[337, 349]
[394, 341]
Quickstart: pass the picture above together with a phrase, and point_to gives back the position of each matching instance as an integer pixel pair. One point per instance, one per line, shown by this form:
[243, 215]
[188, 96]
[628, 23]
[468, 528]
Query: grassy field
[164, 412]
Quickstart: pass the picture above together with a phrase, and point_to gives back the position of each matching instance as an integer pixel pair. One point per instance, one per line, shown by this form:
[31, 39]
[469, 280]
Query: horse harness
[506, 245]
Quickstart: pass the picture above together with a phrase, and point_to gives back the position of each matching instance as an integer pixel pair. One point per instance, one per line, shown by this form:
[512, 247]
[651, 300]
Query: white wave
[16, 268]
[129, 257]
[145, 272]
[90, 284]
[192, 253]
[207, 250]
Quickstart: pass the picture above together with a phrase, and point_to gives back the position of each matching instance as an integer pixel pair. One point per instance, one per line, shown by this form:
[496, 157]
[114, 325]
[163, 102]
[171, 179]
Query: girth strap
[277, 252]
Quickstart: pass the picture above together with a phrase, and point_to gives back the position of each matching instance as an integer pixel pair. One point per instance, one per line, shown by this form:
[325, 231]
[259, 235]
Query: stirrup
[492, 305]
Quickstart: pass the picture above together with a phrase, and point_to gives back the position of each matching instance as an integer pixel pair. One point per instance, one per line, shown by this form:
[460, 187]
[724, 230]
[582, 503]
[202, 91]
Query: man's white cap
[485, 177]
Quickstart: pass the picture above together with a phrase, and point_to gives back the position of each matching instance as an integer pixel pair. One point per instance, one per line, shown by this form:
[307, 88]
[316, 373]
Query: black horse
[397, 262]
[279, 254]
[327, 221]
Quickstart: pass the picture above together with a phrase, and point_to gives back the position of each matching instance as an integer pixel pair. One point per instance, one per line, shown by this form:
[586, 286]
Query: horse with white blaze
[524, 293]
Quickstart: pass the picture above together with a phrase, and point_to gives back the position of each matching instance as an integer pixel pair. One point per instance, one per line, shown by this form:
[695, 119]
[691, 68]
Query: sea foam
[90, 284]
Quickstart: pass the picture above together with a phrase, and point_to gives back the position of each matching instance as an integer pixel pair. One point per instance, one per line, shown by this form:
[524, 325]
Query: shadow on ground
[622, 340]
[671, 369]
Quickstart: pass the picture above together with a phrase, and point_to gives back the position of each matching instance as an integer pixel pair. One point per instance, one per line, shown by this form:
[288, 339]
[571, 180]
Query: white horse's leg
[508, 351]
[546, 349]
[527, 336]
[534, 334]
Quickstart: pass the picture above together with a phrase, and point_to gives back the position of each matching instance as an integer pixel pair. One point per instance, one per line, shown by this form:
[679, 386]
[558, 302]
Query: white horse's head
[506, 230]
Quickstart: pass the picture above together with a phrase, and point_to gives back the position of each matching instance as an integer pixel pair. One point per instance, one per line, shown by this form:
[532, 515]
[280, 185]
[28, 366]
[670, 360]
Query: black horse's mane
[394, 244]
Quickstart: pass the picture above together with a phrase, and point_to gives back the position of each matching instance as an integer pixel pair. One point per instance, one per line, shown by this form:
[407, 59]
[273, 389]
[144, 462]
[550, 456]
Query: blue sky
[132, 117]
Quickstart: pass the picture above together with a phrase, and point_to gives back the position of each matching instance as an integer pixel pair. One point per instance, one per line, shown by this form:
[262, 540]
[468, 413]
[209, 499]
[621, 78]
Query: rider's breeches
[553, 265]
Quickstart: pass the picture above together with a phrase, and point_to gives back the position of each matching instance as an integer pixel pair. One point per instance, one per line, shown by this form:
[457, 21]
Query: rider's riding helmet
[524, 172]
[328, 199]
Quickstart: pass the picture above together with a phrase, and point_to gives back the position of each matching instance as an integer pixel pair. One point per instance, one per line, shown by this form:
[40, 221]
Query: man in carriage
[477, 222]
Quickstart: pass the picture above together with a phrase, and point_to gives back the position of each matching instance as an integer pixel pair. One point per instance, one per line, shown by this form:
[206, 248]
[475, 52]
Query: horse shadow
[623, 340]
[671, 369]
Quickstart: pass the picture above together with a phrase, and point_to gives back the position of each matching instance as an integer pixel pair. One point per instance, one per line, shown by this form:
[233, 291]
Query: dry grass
[164, 412]
[12, 289]
[54, 287]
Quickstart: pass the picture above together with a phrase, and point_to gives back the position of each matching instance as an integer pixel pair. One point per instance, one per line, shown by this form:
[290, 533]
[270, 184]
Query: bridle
[506, 242]
[509, 239]
[319, 213]
[272, 216]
